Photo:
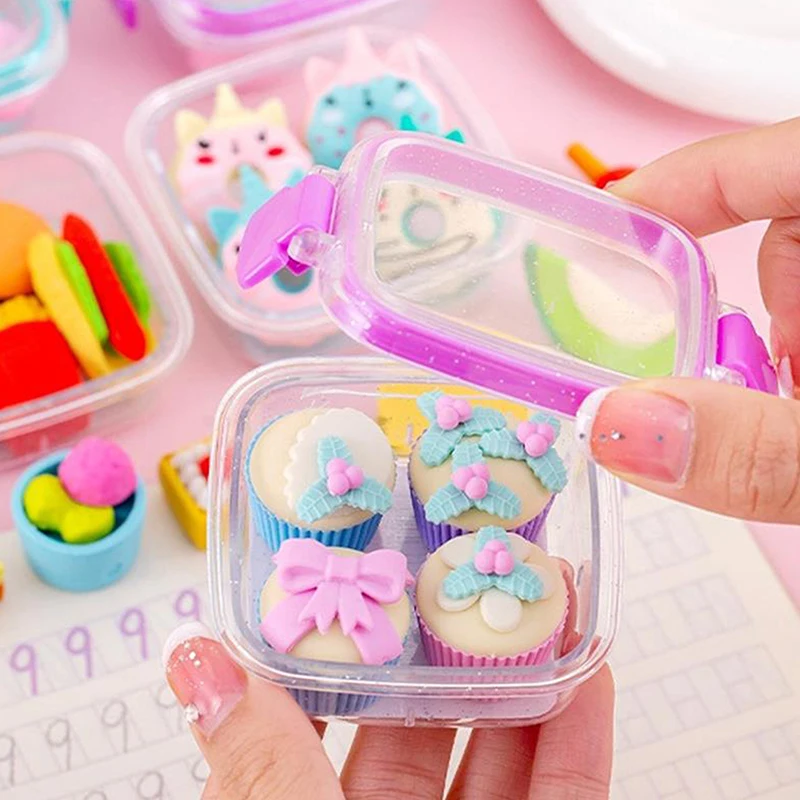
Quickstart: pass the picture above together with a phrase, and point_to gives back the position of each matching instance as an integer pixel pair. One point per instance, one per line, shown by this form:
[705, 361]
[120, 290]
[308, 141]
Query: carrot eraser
[125, 333]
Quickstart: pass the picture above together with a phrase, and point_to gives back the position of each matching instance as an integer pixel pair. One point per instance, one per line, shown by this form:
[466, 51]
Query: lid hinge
[741, 349]
[291, 230]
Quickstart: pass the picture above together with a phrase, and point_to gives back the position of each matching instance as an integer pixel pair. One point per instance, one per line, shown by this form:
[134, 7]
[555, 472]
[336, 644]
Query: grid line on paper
[708, 692]
[739, 770]
[678, 617]
[101, 646]
[657, 541]
[176, 780]
[89, 735]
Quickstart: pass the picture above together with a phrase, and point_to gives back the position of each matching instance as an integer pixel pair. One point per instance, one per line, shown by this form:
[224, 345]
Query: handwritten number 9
[23, 660]
[134, 626]
[79, 643]
[187, 605]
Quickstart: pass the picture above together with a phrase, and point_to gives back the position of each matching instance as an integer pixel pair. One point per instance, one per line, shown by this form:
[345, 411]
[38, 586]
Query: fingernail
[638, 433]
[785, 377]
[204, 678]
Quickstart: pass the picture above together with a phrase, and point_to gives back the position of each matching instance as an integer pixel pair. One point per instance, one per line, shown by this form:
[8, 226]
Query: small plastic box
[639, 296]
[276, 73]
[33, 49]
[54, 175]
[214, 31]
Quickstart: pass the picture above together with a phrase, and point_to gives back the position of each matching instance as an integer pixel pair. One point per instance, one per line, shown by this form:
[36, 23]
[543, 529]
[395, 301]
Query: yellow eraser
[53, 289]
[22, 308]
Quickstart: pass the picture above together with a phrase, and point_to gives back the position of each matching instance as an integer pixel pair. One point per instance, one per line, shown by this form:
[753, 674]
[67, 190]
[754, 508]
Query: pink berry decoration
[537, 438]
[473, 480]
[342, 477]
[97, 472]
[451, 412]
[494, 559]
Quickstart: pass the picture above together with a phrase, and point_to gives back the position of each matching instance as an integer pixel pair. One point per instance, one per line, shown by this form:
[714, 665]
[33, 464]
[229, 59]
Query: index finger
[724, 181]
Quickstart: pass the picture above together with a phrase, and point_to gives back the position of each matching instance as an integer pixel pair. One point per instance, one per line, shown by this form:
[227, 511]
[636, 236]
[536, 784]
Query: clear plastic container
[277, 73]
[580, 291]
[583, 528]
[33, 49]
[54, 175]
[214, 31]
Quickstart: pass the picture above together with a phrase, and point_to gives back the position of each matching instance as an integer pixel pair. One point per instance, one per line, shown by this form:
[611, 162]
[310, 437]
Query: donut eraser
[97, 472]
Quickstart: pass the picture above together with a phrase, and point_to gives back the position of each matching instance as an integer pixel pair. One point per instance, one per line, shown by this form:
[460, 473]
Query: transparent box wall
[583, 529]
[53, 176]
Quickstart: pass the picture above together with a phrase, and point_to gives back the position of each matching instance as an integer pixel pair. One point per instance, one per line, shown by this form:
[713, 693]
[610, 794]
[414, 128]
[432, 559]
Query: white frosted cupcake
[324, 474]
[490, 598]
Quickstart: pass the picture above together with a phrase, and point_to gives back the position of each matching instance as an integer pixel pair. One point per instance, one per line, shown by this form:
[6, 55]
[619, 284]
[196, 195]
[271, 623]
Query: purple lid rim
[383, 328]
[271, 16]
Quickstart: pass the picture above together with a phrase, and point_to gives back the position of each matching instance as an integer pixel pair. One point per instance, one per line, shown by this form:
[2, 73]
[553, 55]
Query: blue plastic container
[79, 567]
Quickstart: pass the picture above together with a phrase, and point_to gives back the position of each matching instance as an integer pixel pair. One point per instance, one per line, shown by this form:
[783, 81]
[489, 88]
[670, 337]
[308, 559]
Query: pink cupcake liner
[440, 654]
[436, 534]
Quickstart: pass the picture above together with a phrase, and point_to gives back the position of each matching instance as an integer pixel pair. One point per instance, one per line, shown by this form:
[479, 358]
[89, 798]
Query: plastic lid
[252, 17]
[32, 44]
[520, 282]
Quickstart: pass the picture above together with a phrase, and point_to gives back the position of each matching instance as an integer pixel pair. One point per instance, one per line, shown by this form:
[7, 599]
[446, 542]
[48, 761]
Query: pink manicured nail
[206, 681]
[637, 433]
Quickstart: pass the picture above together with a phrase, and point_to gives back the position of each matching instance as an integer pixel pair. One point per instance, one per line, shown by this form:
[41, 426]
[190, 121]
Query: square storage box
[277, 73]
[568, 290]
[52, 176]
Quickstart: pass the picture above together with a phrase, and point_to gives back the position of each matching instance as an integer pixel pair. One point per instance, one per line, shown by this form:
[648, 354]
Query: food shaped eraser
[184, 478]
[51, 509]
[125, 334]
[97, 472]
[124, 262]
[17, 227]
[22, 308]
[594, 169]
[35, 360]
[82, 287]
[364, 95]
[53, 289]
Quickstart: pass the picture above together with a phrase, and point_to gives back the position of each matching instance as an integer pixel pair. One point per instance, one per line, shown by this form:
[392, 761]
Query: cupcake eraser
[98, 473]
[335, 604]
[285, 291]
[365, 94]
[326, 474]
[212, 150]
[490, 598]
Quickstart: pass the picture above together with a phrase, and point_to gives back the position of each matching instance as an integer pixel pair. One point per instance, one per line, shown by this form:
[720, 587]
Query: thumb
[258, 743]
[714, 446]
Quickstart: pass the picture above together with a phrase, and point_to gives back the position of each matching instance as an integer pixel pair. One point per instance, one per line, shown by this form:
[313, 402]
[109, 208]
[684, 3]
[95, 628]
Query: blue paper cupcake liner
[436, 534]
[331, 704]
[275, 531]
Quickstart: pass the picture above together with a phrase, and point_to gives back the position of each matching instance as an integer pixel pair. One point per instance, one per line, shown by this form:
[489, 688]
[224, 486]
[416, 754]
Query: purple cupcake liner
[436, 534]
[331, 704]
[440, 654]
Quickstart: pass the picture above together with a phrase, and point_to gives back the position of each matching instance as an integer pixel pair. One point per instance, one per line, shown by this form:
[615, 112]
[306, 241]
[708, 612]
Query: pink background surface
[543, 93]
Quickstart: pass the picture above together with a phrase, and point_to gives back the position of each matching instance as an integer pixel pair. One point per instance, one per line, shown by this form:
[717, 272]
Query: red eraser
[35, 360]
[125, 333]
[613, 175]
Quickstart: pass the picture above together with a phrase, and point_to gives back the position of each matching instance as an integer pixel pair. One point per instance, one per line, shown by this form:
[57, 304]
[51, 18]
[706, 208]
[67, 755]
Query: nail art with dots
[638, 433]
[206, 681]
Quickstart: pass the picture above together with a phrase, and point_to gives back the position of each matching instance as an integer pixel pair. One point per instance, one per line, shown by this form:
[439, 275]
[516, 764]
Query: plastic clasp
[741, 350]
[128, 11]
[288, 231]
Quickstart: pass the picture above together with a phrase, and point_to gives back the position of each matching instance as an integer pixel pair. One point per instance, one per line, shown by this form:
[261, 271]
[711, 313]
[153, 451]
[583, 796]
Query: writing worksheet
[707, 666]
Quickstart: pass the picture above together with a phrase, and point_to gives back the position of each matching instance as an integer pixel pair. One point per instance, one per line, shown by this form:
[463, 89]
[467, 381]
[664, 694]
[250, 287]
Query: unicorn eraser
[364, 95]
[285, 292]
[212, 151]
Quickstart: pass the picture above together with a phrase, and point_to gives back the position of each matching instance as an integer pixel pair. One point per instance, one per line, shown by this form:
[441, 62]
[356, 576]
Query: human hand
[715, 446]
[261, 746]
